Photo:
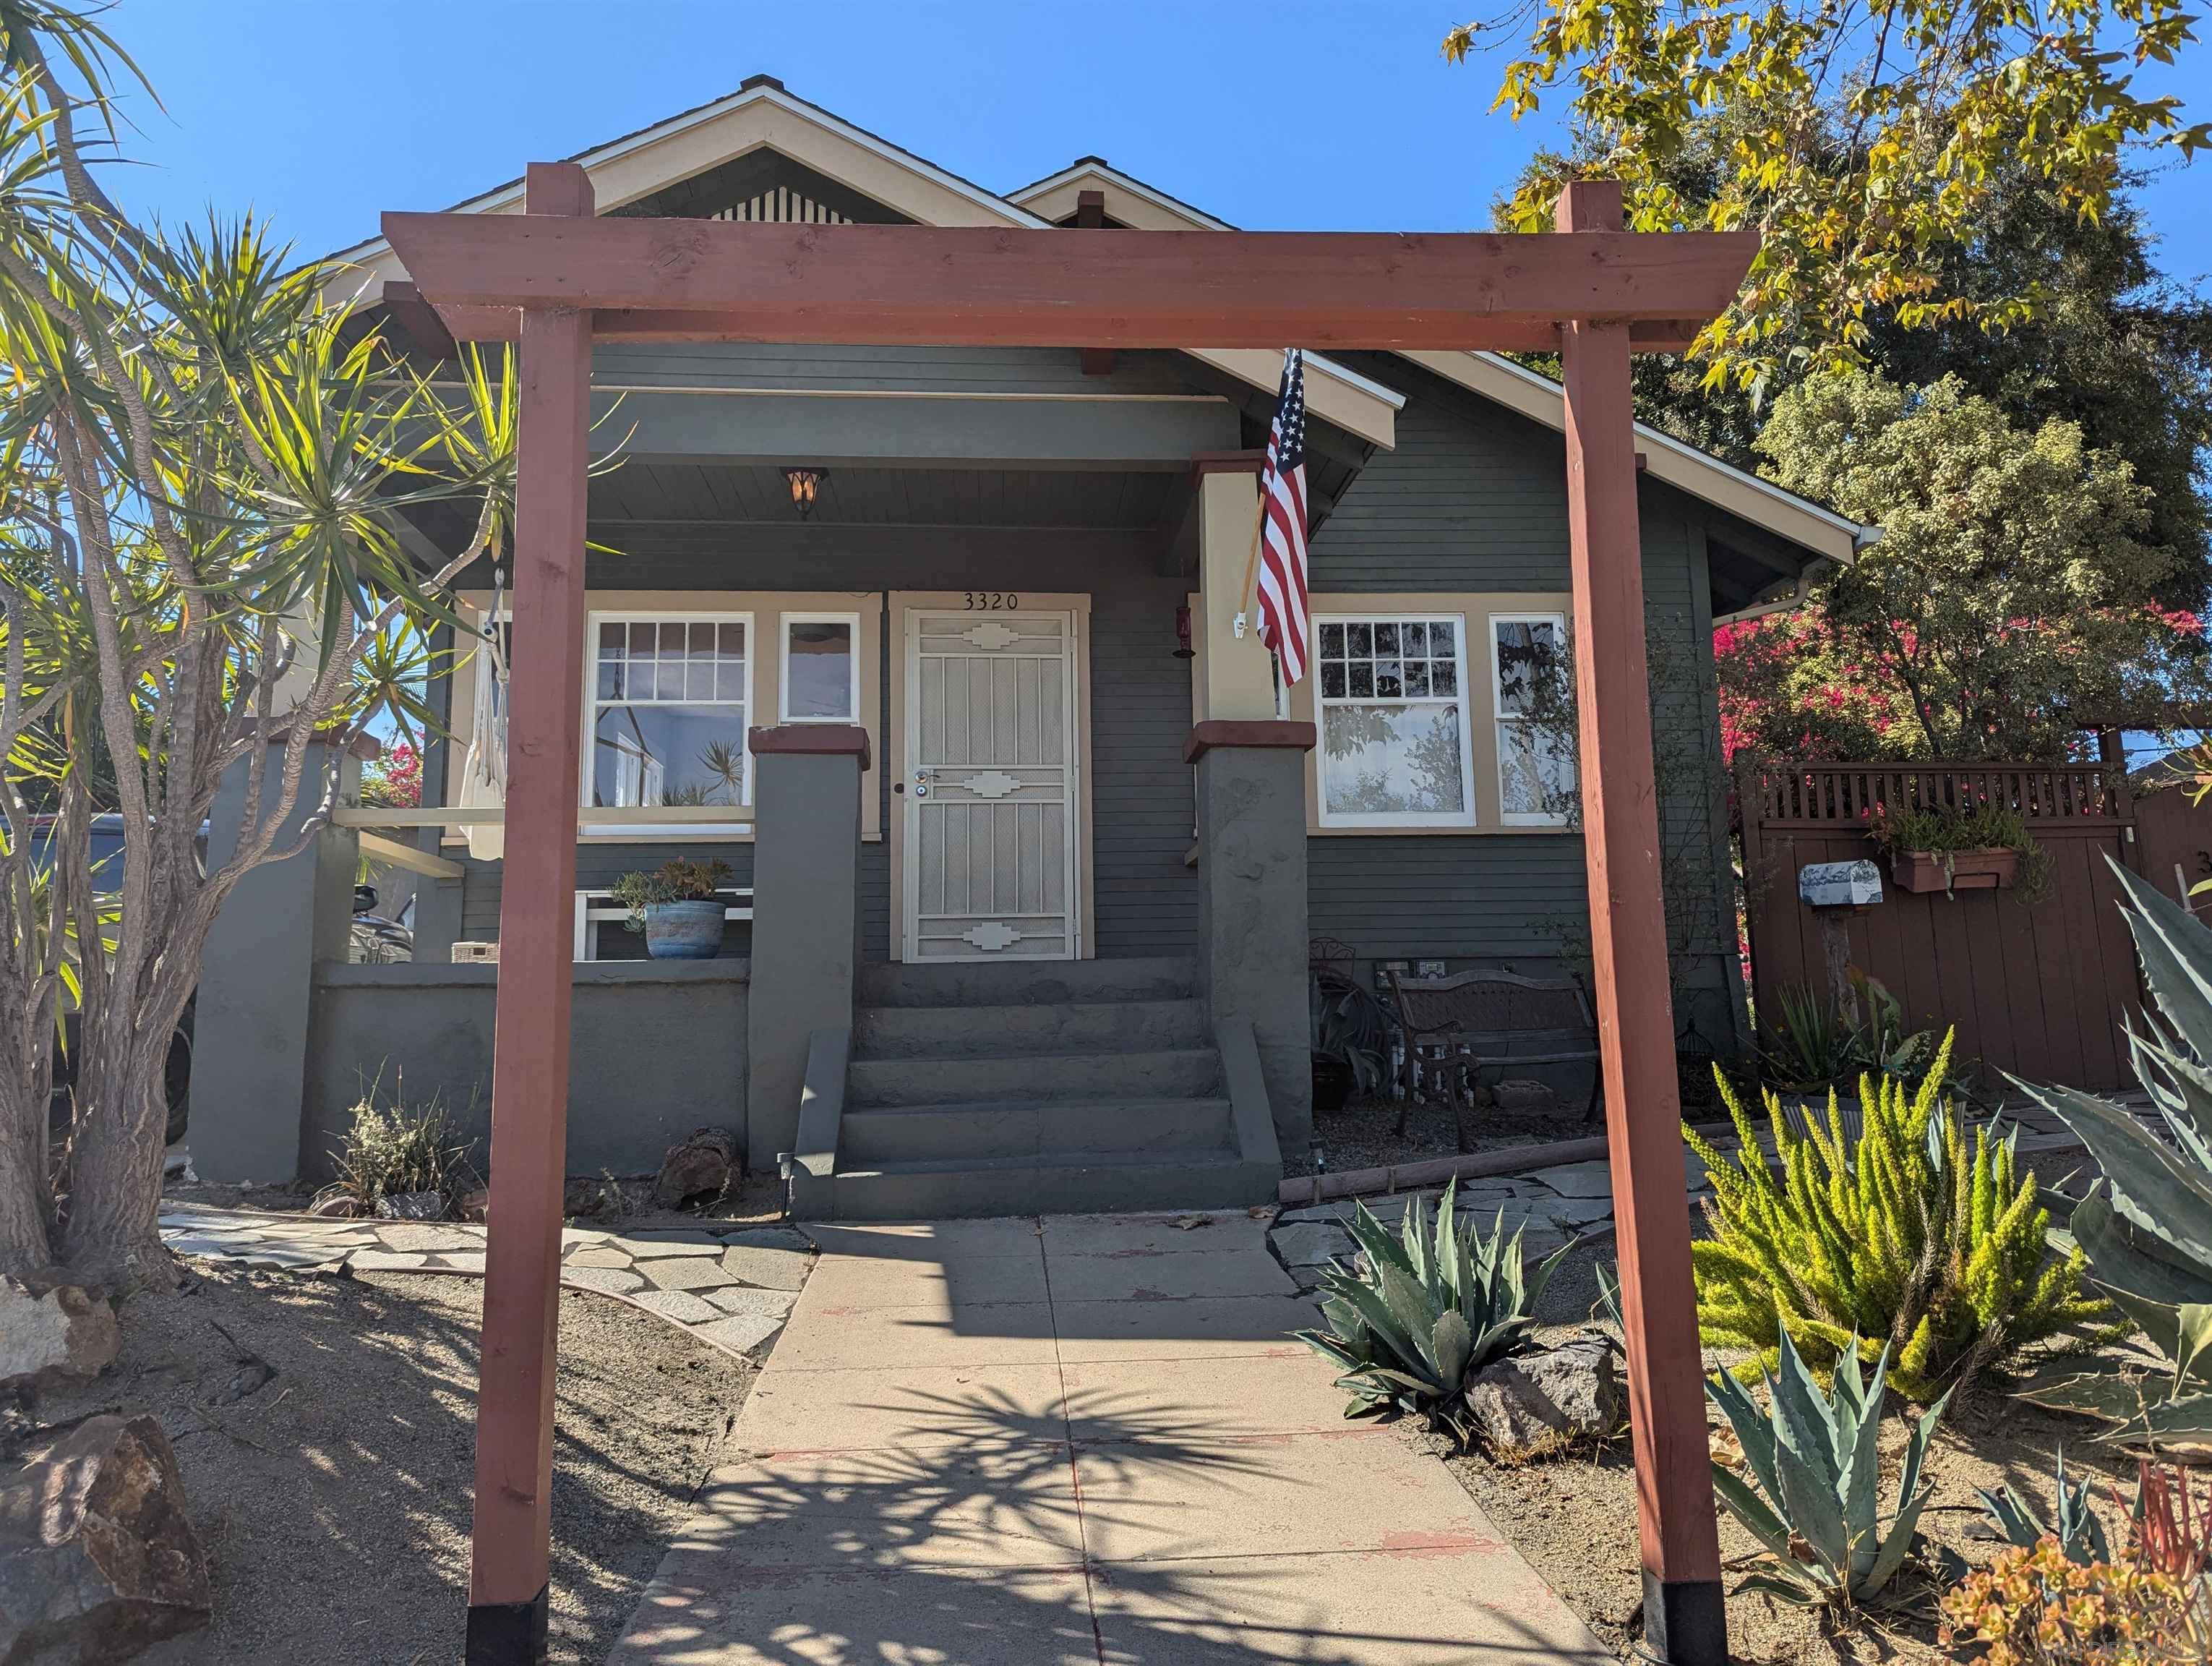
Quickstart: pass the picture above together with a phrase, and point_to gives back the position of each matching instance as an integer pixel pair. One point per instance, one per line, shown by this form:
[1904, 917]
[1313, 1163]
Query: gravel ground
[334, 1498]
[1575, 1517]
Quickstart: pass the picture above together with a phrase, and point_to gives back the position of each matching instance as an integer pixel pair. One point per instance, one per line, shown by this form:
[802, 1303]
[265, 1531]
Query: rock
[697, 1169]
[98, 1559]
[1593, 1179]
[335, 1205]
[1311, 1243]
[1536, 1403]
[59, 1333]
[475, 1206]
[411, 1205]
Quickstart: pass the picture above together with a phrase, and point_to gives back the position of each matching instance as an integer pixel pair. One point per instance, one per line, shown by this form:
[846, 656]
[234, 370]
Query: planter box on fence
[1954, 869]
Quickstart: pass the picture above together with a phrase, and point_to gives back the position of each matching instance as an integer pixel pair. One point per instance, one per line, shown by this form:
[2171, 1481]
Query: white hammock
[483, 771]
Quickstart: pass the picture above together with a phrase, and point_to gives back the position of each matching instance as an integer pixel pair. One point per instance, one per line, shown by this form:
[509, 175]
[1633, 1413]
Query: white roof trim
[1356, 403]
[1704, 476]
[1198, 218]
[1739, 491]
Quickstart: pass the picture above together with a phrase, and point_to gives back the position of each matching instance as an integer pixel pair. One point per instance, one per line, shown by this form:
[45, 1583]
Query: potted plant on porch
[676, 907]
[1948, 848]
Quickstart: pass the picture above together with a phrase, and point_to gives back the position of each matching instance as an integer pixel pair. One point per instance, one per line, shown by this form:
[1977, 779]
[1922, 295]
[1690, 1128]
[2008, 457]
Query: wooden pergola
[555, 278]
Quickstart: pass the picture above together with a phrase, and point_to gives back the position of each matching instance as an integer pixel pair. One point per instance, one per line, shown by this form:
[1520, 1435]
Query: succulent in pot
[676, 908]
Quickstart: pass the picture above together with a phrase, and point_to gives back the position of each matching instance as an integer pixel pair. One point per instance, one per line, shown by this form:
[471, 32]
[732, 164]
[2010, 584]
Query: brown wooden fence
[2037, 990]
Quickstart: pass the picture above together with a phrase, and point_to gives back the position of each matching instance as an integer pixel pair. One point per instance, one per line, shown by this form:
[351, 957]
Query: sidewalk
[1085, 1441]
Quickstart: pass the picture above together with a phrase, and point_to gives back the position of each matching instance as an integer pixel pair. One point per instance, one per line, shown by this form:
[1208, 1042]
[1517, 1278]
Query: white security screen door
[991, 793]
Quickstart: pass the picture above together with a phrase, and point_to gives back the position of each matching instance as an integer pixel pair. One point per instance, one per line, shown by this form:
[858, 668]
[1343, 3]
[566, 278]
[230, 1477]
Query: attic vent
[785, 207]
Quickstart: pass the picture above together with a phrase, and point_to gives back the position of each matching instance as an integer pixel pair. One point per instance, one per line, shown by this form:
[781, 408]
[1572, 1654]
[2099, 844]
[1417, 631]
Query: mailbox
[1839, 884]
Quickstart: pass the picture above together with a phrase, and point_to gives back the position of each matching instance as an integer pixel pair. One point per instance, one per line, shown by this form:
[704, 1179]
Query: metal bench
[1472, 1020]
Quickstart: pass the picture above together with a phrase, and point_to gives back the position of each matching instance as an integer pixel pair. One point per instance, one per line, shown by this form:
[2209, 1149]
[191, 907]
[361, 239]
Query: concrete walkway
[1075, 1441]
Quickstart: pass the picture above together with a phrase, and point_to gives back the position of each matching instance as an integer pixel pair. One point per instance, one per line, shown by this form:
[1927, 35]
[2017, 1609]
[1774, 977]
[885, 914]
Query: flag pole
[1251, 567]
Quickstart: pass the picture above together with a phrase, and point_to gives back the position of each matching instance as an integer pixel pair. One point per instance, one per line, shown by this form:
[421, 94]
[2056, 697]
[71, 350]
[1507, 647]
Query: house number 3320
[993, 601]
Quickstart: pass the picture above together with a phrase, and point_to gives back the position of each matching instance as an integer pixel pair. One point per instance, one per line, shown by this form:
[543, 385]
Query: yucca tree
[203, 468]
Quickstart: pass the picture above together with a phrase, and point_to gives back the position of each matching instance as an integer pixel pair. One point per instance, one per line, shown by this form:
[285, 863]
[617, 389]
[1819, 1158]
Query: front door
[991, 795]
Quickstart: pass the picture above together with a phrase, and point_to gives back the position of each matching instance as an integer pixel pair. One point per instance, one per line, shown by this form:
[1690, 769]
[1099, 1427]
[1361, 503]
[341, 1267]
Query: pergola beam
[964, 286]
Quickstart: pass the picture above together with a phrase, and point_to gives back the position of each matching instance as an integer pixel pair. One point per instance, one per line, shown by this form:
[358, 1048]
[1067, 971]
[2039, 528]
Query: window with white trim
[670, 695]
[1390, 695]
[1535, 758]
[820, 681]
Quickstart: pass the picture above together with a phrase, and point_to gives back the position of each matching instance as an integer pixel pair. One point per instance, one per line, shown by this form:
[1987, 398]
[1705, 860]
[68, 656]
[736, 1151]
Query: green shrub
[1814, 1499]
[680, 880]
[395, 1149]
[1906, 1241]
[1417, 1313]
[1813, 1040]
[2146, 1225]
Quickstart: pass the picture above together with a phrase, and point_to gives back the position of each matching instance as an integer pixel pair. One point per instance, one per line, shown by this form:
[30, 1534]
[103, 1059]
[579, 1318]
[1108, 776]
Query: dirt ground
[333, 1496]
[757, 1198]
[1575, 1518]
[1360, 1135]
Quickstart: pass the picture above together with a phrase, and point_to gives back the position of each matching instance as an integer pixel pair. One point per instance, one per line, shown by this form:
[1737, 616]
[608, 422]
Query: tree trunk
[112, 1238]
[25, 1251]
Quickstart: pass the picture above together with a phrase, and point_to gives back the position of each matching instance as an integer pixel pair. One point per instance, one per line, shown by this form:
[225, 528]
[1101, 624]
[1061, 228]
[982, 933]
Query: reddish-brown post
[530, 1050]
[1684, 1623]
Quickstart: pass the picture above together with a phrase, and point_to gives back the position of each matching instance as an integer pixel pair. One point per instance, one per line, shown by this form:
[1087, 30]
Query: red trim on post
[817, 739]
[530, 1056]
[1628, 954]
[1256, 731]
[1227, 462]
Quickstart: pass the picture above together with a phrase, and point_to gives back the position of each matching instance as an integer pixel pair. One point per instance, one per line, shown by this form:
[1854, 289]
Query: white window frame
[1499, 717]
[1464, 699]
[686, 616]
[784, 622]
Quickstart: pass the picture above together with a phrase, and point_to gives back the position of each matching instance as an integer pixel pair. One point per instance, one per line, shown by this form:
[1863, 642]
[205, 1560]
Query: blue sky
[1282, 114]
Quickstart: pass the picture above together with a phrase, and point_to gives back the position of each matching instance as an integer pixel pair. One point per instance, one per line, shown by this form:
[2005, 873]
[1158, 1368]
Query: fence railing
[1828, 795]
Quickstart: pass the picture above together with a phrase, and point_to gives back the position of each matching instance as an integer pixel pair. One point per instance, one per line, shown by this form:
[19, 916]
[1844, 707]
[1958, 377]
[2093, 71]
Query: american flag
[1283, 525]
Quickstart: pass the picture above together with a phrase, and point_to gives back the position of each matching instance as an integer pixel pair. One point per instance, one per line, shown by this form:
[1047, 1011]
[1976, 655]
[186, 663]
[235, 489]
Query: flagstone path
[732, 1287]
[1077, 1441]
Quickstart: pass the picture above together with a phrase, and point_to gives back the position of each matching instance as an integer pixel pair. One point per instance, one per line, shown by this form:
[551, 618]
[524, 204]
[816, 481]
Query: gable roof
[1131, 202]
[762, 115]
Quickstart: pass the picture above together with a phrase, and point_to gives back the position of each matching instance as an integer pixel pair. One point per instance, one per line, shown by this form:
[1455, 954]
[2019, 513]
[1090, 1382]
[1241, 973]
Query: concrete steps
[1072, 1183]
[1095, 1026]
[1022, 1088]
[1044, 1128]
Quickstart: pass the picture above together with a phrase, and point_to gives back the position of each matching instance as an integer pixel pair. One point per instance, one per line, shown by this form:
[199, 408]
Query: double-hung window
[821, 675]
[1391, 699]
[670, 695]
[1536, 756]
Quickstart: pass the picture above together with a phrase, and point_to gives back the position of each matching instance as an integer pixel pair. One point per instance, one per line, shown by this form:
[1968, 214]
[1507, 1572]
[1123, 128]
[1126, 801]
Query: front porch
[940, 731]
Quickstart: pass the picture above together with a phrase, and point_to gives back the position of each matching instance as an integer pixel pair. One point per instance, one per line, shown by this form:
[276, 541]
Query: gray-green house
[1015, 574]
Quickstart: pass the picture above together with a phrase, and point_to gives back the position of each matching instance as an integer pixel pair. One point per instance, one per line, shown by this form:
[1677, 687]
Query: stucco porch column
[806, 916]
[1252, 901]
[250, 1024]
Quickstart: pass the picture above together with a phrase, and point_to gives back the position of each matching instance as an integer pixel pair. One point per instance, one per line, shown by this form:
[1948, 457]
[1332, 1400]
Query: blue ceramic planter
[683, 931]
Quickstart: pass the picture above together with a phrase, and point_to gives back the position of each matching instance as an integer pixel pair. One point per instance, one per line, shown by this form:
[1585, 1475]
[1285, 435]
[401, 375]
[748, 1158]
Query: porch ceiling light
[806, 484]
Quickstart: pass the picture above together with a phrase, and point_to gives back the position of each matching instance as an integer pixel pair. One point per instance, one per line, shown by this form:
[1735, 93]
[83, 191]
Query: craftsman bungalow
[934, 648]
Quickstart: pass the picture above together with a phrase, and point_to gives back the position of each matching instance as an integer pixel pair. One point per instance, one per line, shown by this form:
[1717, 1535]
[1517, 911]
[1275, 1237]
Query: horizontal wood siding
[1474, 499]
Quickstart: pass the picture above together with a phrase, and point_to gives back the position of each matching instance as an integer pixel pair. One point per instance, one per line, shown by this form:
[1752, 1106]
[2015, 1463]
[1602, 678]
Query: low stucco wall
[656, 1049]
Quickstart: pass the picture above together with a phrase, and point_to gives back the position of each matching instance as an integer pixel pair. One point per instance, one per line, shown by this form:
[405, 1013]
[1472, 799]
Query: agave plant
[1813, 1497]
[2146, 1225]
[1415, 1313]
[1908, 1237]
[2079, 1535]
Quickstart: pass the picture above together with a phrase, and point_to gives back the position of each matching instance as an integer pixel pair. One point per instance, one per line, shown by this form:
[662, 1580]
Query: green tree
[1862, 141]
[2011, 598]
[202, 473]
